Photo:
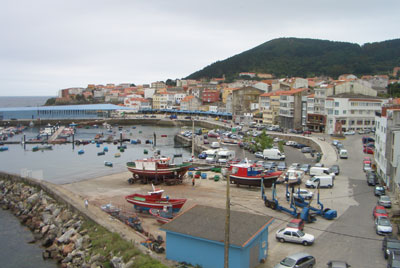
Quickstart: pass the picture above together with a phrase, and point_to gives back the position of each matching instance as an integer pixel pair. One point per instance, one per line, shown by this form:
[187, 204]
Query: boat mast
[227, 221]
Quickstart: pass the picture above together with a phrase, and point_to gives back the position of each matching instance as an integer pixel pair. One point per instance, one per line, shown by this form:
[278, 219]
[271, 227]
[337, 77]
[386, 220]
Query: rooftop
[209, 223]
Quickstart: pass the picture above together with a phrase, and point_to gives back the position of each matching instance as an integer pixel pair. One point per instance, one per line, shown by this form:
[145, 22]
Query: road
[351, 237]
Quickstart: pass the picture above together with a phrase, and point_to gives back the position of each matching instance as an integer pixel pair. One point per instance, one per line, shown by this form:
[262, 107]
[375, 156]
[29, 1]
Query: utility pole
[227, 220]
[193, 139]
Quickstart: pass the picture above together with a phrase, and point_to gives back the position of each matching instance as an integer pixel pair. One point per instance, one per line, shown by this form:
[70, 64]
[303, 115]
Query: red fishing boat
[154, 200]
[157, 170]
[251, 174]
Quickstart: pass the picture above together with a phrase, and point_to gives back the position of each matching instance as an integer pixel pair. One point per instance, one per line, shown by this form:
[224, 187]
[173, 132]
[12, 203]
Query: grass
[105, 243]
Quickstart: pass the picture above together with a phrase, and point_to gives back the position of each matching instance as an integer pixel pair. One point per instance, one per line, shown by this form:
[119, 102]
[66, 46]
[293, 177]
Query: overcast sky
[47, 45]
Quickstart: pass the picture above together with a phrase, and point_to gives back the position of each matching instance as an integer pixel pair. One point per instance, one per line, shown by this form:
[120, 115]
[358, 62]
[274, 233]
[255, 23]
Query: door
[254, 253]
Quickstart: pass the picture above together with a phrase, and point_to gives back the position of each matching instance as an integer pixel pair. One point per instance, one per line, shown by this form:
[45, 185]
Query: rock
[68, 249]
[130, 263]
[45, 229]
[69, 223]
[78, 243]
[46, 254]
[66, 236]
[97, 258]
[77, 224]
[116, 262]
[47, 218]
[56, 212]
[67, 259]
[33, 198]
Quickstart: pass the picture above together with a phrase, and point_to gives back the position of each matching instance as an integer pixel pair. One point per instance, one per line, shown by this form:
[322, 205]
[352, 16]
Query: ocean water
[25, 101]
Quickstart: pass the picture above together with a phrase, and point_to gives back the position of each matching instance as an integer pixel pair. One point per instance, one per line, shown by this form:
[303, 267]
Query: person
[193, 182]
[86, 203]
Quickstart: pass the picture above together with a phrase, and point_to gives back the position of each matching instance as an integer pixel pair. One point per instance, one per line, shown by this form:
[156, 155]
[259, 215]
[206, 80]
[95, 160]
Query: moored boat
[251, 174]
[164, 215]
[157, 170]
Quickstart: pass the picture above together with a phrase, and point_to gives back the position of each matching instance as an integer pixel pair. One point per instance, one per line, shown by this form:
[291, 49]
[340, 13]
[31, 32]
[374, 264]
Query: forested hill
[307, 58]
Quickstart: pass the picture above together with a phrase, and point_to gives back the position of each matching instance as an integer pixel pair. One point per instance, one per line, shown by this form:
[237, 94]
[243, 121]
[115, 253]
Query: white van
[211, 156]
[343, 153]
[321, 171]
[273, 154]
[224, 156]
[215, 145]
[324, 181]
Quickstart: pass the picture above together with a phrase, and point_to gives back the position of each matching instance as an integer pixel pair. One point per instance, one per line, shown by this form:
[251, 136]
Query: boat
[164, 215]
[3, 148]
[42, 147]
[251, 174]
[163, 136]
[154, 200]
[117, 155]
[157, 170]
[101, 153]
[110, 209]
[105, 149]
[81, 152]
[108, 163]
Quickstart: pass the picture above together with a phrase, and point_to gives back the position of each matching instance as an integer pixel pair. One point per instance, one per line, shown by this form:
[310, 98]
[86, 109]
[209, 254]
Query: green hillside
[308, 57]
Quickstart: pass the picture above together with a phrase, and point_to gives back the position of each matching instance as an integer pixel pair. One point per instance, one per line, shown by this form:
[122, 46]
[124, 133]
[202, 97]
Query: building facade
[242, 99]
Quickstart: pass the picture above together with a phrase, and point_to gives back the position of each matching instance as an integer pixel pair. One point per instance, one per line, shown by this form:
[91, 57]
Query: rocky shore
[60, 231]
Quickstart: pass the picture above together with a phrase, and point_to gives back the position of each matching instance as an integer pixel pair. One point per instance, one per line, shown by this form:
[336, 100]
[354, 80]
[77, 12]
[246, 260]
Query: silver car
[295, 236]
[385, 201]
[298, 260]
[383, 226]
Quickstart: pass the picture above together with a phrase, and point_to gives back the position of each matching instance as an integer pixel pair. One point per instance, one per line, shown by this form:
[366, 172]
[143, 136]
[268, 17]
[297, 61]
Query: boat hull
[145, 203]
[158, 175]
[254, 181]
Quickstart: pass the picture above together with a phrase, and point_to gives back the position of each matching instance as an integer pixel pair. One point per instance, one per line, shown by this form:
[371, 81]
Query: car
[384, 201]
[383, 226]
[212, 134]
[307, 132]
[349, 132]
[361, 131]
[368, 150]
[294, 166]
[305, 168]
[259, 155]
[335, 169]
[306, 150]
[319, 165]
[335, 142]
[294, 236]
[281, 166]
[379, 211]
[270, 165]
[296, 224]
[338, 264]
[291, 143]
[202, 156]
[153, 116]
[277, 140]
[390, 244]
[206, 142]
[379, 190]
[371, 180]
[298, 260]
[339, 146]
[300, 146]
[394, 260]
[371, 173]
[304, 193]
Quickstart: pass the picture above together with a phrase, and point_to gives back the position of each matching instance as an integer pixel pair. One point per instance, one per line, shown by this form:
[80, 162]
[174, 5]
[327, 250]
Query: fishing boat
[251, 174]
[164, 215]
[3, 148]
[163, 136]
[157, 170]
[101, 153]
[154, 200]
[108, 163]
[110, 209]
[42, 147]
[81, 152]
[116, 155]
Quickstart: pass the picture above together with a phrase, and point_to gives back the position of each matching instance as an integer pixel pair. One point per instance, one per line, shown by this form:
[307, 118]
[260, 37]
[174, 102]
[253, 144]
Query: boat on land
[252, 175]
[154, 200]
[164, 215]
[42, 147]
[157, 170]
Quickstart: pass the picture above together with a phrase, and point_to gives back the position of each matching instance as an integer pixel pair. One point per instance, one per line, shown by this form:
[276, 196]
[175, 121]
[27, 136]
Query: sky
[48, 45]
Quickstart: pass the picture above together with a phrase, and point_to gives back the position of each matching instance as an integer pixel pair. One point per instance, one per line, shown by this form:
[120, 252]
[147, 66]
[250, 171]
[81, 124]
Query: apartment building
[243, 98]
[292, 109]
[269, 104]
[190, 103]
[352, 112]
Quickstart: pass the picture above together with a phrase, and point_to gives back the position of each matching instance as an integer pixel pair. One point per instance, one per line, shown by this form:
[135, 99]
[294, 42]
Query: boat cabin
[153, 163]
[247, 170]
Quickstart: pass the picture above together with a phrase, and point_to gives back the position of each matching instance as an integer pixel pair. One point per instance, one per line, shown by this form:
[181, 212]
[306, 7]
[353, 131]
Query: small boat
[42, 147]
[122, 150]
[81, 152]
[154, 200]
[145, 151]
[163, 136]
[3, 148]
[110, 209]
[73, 124]
[133, 127]
[105, 149]
[164, 215]
[117, 155]
[122, 147]
[101, 153]
[97, 145]
[108, 163]
[177, 155]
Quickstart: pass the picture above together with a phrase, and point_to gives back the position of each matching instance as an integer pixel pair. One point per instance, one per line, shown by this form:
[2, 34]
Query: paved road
[351, 237]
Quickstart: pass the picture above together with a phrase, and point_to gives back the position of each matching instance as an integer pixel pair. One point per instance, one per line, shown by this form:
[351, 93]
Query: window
[344, 111]
[336, 104]
[336, 112]
[352, 111]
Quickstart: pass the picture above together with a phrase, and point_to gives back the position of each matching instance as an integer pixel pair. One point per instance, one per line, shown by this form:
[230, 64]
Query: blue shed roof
[105, 107]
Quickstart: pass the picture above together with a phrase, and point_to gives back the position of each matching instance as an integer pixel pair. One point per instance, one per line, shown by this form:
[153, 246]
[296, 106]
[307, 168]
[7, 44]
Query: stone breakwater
[59, 230]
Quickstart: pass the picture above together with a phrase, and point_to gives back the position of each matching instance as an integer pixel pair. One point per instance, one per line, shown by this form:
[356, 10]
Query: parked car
[281, 166]
[335, 142]
[298, 260]
[350, 132]
[383, 226]
[307, 132]
[368, 150]
[384, 201]
[394, 260]
[338, 264]
[305, 168]
[379, 211]
[379, 190]
[371, 180]
[300, 146]
[296, 224]
[259, 155]
[294, 236]
[335, 169]
[389, 245]
[294, 166]
[306, 150]
[291, 143]
[202, 156]
[319, 165]
[270, 165]
[304, 193]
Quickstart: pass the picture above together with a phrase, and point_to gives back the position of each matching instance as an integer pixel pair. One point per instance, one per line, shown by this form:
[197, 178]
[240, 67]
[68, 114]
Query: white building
[353, 112]
[263, 86]
[149, 92]
[137, 103]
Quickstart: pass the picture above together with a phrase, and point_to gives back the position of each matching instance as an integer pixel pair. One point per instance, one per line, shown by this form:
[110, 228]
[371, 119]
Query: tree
[170, 82]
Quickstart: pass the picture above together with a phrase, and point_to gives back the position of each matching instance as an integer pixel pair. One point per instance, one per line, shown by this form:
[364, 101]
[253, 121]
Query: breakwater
[66, 233]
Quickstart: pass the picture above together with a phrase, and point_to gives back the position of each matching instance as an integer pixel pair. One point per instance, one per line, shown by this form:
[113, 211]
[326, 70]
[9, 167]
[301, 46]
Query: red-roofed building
[190, 103]
[137, 103]
[269, 106]
[210, 96]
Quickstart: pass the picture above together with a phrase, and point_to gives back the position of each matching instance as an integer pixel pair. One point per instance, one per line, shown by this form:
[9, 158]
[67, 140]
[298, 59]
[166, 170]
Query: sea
[62, 164]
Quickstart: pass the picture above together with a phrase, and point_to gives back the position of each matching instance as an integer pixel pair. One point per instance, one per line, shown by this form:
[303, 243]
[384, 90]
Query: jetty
[55, 135]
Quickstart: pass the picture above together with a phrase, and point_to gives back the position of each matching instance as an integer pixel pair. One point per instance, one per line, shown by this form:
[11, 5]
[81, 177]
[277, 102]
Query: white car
[383, 226]
[259, 154]
[350, 132]
[306, 194]
[294, 236]
[291, 143]
[294, 166]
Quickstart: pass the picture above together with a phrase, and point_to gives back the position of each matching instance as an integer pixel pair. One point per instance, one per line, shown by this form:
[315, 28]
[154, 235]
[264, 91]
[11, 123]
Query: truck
[273, 154]
[223, 156]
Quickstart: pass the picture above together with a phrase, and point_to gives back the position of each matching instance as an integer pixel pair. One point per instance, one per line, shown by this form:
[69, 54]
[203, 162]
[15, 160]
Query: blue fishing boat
[3, 148]
[108, 163]
[81, 152]
[101, 153]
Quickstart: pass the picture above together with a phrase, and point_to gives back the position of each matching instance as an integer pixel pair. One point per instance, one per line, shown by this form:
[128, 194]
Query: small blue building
[197, 237]
[88, 111]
